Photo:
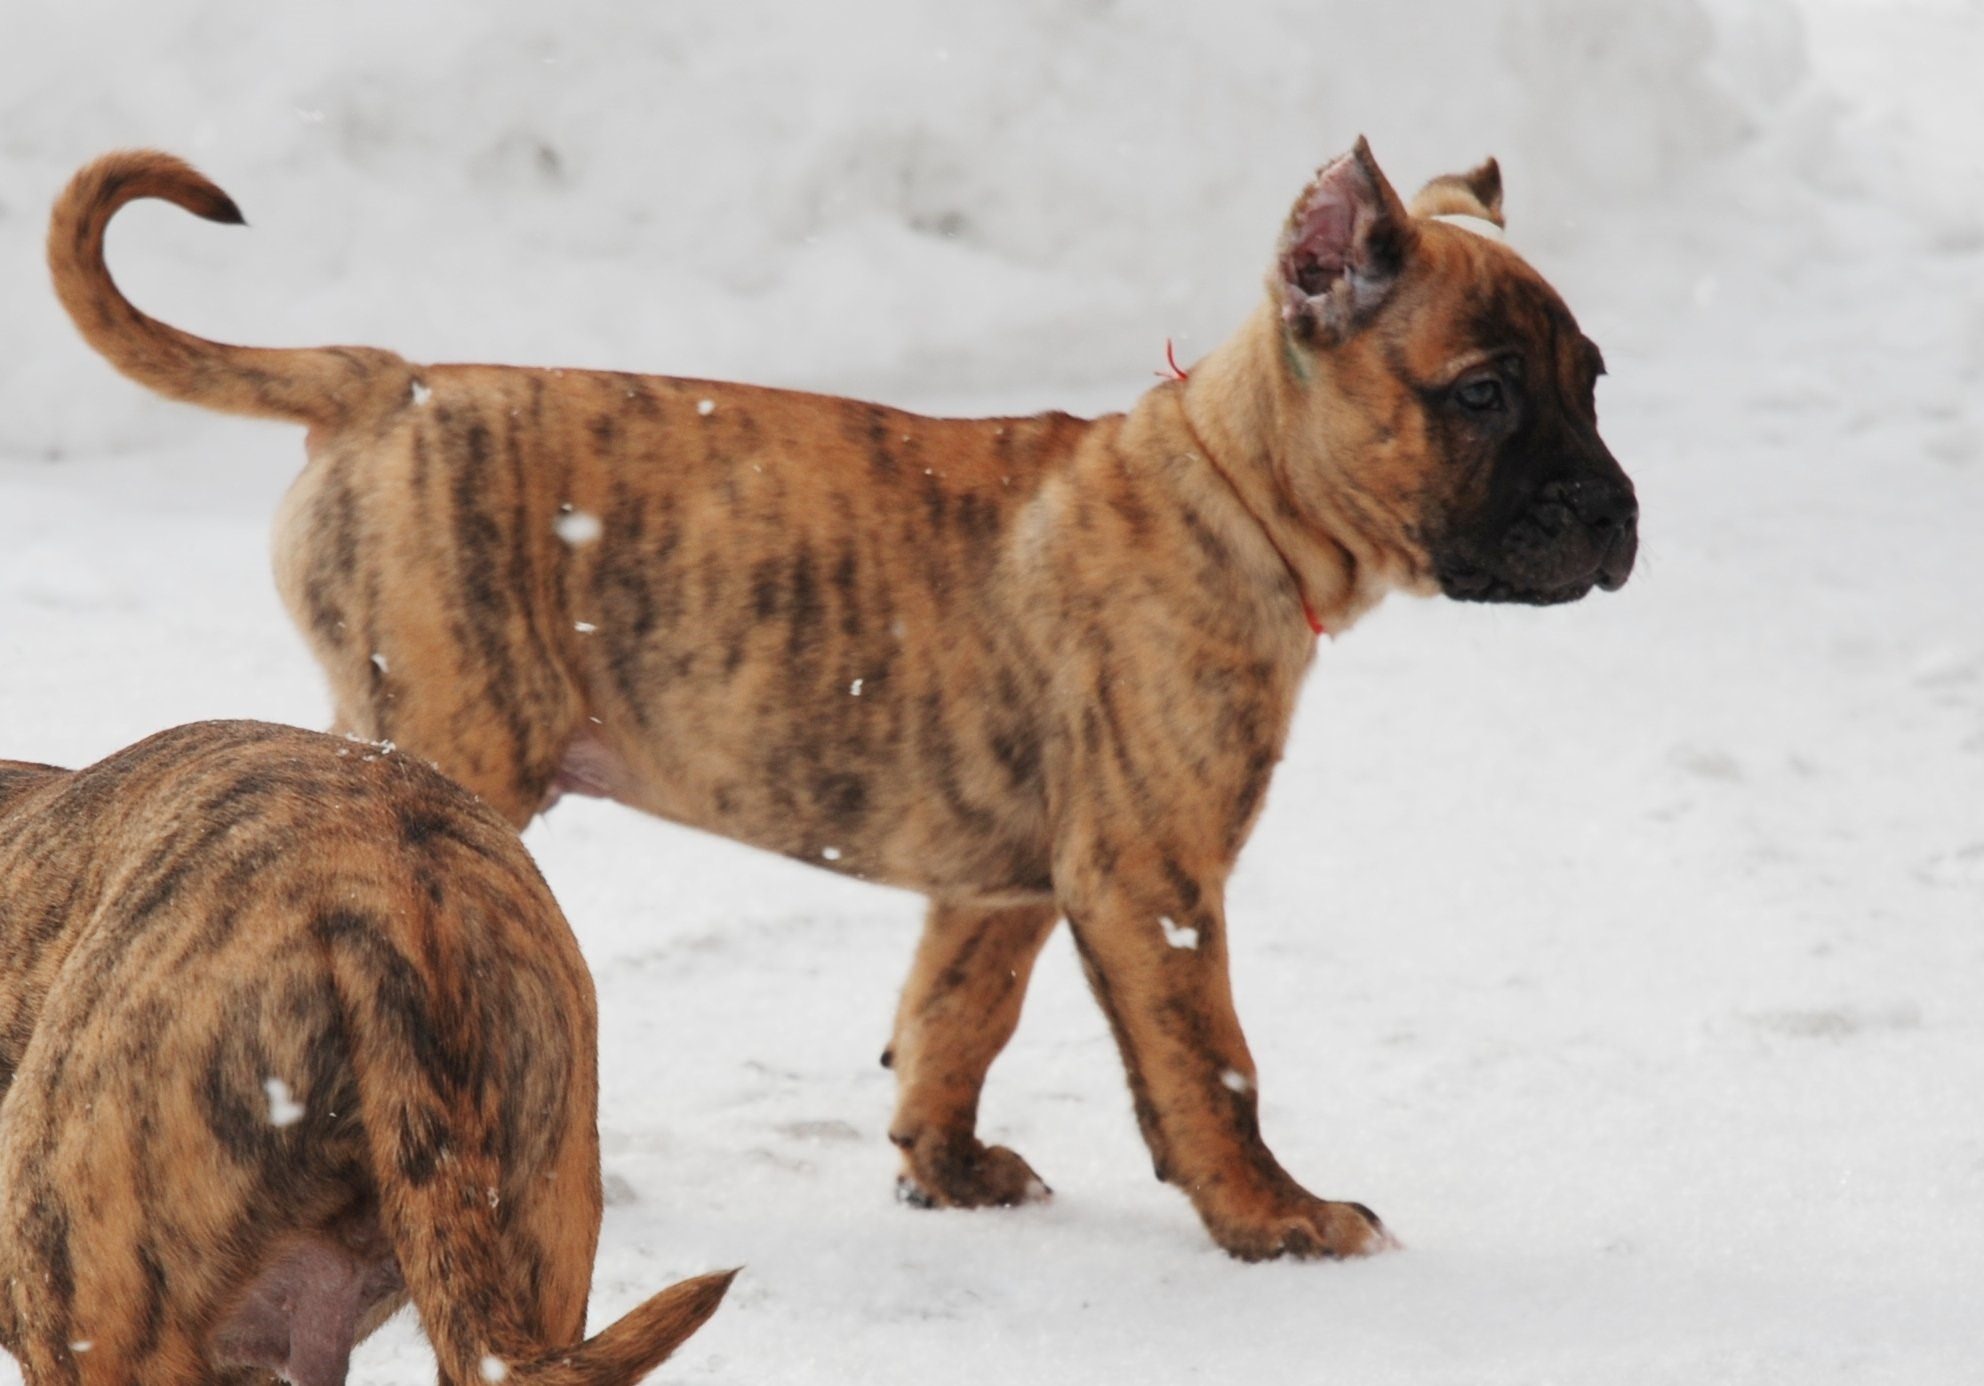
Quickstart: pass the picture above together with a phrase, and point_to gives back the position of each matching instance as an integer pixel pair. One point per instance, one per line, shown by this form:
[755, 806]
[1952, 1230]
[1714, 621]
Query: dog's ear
[1344, 246]
[1476, 193]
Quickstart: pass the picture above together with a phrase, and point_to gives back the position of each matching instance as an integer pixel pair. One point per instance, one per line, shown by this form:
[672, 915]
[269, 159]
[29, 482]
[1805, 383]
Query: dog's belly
[909, 802]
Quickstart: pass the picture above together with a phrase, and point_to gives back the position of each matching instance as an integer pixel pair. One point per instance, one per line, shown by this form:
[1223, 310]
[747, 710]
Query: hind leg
[175, 1361]
[62, 1330]
[551, 1235]
[560, 1230]
[959, 1007]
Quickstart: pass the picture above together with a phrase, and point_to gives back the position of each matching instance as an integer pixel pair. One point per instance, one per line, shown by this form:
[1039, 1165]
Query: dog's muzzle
[1573, 536]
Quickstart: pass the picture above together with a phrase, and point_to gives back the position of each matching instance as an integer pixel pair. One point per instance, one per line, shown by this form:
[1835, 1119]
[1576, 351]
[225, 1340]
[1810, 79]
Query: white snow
[584, 627]
[578, 527]
[706, 407]
[1625, 957]
[284, 1109]
[493, 1369]
[1176, 934]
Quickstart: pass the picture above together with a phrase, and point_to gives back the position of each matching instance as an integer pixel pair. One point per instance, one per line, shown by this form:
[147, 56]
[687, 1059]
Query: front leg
[1153, 943]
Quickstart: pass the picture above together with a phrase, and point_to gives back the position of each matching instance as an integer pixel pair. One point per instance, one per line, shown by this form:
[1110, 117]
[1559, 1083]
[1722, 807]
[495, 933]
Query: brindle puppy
[1031, 667]
[292, 1032]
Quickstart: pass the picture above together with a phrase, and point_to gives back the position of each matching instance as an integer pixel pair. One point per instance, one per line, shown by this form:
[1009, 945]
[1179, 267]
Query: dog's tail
[432, 1133]
[634, 1344]
[318, 385]
[620, 1354]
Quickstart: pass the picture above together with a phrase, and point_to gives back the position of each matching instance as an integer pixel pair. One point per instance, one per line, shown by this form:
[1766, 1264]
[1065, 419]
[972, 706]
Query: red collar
[1308, 612]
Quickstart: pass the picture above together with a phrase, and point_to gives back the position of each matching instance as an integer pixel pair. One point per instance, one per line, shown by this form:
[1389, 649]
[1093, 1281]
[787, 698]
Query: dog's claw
[962, 1173]
[1311, 1230]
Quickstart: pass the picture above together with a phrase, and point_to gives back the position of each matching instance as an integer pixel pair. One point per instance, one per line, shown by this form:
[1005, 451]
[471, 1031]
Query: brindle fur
[1032, 667]
[228, 904]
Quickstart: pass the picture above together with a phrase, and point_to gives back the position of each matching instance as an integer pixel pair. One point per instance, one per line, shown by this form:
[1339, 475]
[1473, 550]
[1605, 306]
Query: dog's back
[294, 1032]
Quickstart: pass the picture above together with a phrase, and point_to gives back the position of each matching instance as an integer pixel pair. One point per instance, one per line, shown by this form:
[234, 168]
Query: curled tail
[318, 385]
[492, 1303]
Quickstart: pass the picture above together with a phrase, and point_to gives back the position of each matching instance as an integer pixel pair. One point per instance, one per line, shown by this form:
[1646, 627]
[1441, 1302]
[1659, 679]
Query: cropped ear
[1476, 193]
[1344, 246]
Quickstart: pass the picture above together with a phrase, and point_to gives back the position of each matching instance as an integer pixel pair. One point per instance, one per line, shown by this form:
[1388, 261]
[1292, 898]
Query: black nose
[1613, 513]
[1603, 504]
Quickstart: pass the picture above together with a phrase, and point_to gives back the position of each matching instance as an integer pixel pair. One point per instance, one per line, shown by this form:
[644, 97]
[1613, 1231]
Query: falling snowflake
[284, 1110]
[577, 527]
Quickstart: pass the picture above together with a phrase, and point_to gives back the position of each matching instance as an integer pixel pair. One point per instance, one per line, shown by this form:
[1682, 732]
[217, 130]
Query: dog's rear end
[294, 1033]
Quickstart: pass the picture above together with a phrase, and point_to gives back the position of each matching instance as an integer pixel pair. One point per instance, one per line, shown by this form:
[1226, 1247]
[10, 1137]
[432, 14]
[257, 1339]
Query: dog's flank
[1034, 668]
[291, 1032]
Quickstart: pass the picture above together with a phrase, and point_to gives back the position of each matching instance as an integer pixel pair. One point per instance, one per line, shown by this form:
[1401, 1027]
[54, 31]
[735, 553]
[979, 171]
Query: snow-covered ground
[1627, 956]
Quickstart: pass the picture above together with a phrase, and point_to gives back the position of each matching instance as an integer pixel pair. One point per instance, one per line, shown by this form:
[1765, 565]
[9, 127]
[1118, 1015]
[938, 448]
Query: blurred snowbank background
[896, 198]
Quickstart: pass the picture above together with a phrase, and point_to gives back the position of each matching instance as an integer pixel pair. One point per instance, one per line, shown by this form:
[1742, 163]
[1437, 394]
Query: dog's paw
[1307, 1228]
[951, 1173]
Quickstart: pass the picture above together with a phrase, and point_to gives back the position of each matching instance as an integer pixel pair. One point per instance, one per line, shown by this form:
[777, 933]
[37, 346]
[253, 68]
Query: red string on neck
[1176, 371]
[1308, 612]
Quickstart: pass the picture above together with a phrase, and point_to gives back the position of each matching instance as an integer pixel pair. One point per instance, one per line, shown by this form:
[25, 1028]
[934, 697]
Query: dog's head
[1441, 395]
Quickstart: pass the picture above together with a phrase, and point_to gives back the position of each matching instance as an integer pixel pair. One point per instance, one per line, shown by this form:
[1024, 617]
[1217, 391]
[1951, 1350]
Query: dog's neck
[1239, 408]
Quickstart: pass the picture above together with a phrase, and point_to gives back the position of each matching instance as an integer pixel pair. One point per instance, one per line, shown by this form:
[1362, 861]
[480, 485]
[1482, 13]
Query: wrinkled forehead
[1470, 299]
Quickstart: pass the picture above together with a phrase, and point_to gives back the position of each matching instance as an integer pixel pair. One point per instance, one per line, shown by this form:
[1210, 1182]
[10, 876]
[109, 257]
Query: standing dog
[1032, 667]
[292, 1032]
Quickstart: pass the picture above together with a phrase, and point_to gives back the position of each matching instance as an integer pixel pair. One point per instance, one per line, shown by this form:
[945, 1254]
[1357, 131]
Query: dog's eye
[1483, 396]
